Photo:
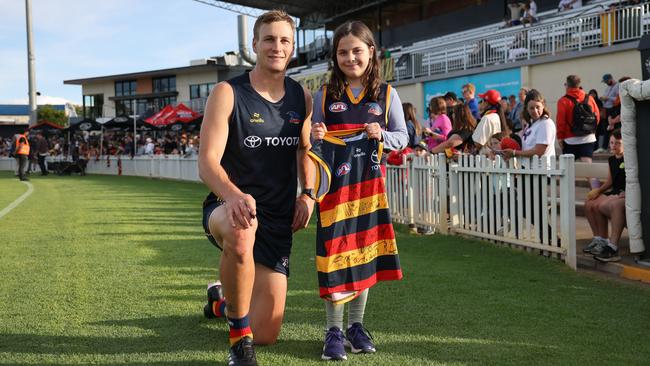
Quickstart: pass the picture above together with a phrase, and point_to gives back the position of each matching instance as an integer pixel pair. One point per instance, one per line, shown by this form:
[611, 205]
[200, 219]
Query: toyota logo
[252, 141]
[85, 126]
[374, 157]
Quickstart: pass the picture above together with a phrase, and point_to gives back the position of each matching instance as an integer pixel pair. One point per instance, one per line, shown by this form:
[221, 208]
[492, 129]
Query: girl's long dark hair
[536, 96]
[409, 114]
[463, 120]
[371, 79]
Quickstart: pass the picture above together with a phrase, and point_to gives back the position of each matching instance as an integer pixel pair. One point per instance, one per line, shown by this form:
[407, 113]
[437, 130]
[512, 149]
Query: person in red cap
[493, 119]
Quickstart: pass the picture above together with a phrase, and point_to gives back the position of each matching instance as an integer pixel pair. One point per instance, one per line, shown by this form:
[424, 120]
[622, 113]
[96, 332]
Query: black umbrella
[86, 125]
[186, 126]
[119, 122]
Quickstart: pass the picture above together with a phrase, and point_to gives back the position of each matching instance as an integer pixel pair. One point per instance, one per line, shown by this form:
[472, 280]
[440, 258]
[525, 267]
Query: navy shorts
[272, 239]
[580, 150]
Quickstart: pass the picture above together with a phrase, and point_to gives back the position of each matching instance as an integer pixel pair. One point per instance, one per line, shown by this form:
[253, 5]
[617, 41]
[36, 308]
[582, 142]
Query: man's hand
[318, 131]
[302, 213]
[373, 130]
[241, 210]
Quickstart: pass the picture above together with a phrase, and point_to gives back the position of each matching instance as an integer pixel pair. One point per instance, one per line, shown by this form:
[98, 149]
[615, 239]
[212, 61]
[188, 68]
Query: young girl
[355, 97]
[412, 125]
[439, 124]
[539, 138]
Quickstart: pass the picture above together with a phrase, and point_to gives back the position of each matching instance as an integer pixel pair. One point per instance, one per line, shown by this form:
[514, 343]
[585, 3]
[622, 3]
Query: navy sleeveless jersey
[260, 154]
[350, 112]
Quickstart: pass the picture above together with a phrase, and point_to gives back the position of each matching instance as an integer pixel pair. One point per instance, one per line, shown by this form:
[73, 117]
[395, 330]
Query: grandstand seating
[495, 44]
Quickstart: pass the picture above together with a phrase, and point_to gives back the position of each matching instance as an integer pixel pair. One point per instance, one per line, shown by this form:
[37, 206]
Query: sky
[75, 39]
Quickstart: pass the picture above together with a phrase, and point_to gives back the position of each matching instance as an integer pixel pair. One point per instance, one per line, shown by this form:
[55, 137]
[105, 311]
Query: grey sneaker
[599, 248]
[608, 254]
[594, 244]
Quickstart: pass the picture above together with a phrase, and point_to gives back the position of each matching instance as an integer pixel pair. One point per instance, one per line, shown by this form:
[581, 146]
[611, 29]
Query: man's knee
[234, 240]
[267, 334]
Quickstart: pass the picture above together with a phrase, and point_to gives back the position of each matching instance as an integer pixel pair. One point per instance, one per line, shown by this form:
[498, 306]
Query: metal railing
[586, 31]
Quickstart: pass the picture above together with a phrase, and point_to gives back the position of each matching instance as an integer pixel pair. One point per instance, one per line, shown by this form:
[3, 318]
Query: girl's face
[615, 146]
[535, 109]
[495, 144]
[353, 56]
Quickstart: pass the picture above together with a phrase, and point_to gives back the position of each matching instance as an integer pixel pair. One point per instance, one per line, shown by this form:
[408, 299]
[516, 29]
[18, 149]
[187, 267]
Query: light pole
[30, 64]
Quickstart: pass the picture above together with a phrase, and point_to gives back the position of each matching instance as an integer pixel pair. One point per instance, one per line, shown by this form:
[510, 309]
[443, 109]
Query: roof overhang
[157, 73]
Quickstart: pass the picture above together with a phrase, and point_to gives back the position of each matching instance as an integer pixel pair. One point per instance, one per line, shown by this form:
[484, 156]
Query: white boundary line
[14, 204]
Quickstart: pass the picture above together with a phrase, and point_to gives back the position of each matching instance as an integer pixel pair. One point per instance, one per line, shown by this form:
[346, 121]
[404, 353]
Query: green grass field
[112, 270]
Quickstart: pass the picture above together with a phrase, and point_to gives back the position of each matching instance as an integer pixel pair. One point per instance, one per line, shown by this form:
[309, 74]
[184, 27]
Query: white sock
[612, 245]
[597, 238]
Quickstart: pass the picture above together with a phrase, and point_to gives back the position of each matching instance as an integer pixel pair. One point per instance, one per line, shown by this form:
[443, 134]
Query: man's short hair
[617, 134]
[272, 16]
[573, 81]
[470, 87]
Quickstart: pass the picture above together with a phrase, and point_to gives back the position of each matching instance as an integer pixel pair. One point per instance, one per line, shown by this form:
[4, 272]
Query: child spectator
[608, 203]
[440, 125]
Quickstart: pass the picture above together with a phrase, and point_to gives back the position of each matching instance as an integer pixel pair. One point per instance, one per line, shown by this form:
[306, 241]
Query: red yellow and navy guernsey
[355, 241]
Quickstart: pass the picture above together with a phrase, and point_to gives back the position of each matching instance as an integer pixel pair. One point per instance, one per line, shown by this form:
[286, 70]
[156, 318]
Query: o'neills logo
[338, 107]
[256, 118]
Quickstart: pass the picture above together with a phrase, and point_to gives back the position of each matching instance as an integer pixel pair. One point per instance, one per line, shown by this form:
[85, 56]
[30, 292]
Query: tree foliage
[49, 114]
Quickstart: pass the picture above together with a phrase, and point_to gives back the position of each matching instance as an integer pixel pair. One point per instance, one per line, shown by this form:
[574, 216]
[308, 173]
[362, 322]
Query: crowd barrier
[526, 203]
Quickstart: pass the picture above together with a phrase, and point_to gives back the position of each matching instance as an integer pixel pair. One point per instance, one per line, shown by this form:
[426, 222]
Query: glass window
[164, 84]
[118, 89]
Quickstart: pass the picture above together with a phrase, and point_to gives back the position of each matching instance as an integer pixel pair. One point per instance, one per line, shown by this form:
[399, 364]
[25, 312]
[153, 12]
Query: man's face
[274, 46]
[467, 94]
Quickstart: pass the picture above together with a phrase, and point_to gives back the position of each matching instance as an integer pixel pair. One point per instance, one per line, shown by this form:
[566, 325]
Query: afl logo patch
[374, 108]
[343, 169]
[294, 117]
[252, 141]
[338, 107]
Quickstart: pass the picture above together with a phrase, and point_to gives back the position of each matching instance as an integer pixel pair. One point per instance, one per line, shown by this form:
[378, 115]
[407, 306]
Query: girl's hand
[373, 130]
[318, 131]
[593, 194]
[508, 153]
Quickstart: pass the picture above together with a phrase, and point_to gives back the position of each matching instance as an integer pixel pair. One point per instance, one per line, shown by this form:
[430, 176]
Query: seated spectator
[439, 123]
[451, 99]
[515, 8]
[565, 5]
[459, 139]
[530, 13]
[608, 203]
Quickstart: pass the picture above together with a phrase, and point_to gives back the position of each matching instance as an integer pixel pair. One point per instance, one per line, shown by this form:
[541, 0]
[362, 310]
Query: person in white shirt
[565, 5]
[493, 119]
[539, 138]
[149, 147]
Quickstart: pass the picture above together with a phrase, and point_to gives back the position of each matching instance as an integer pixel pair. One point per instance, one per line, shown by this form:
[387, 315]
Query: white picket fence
[157, 166]
[521, 202]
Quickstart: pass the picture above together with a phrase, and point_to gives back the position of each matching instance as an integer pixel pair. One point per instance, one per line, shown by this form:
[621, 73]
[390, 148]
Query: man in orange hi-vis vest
[22, 153]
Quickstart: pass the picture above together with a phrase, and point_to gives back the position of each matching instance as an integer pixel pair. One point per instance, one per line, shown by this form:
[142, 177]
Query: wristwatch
[309, 192]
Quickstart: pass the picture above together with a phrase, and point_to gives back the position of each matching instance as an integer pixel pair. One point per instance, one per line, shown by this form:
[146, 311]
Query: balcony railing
[524, 43]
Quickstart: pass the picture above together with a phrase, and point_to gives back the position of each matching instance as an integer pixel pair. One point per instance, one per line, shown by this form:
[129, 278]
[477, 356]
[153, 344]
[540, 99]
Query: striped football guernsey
[355, 241]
